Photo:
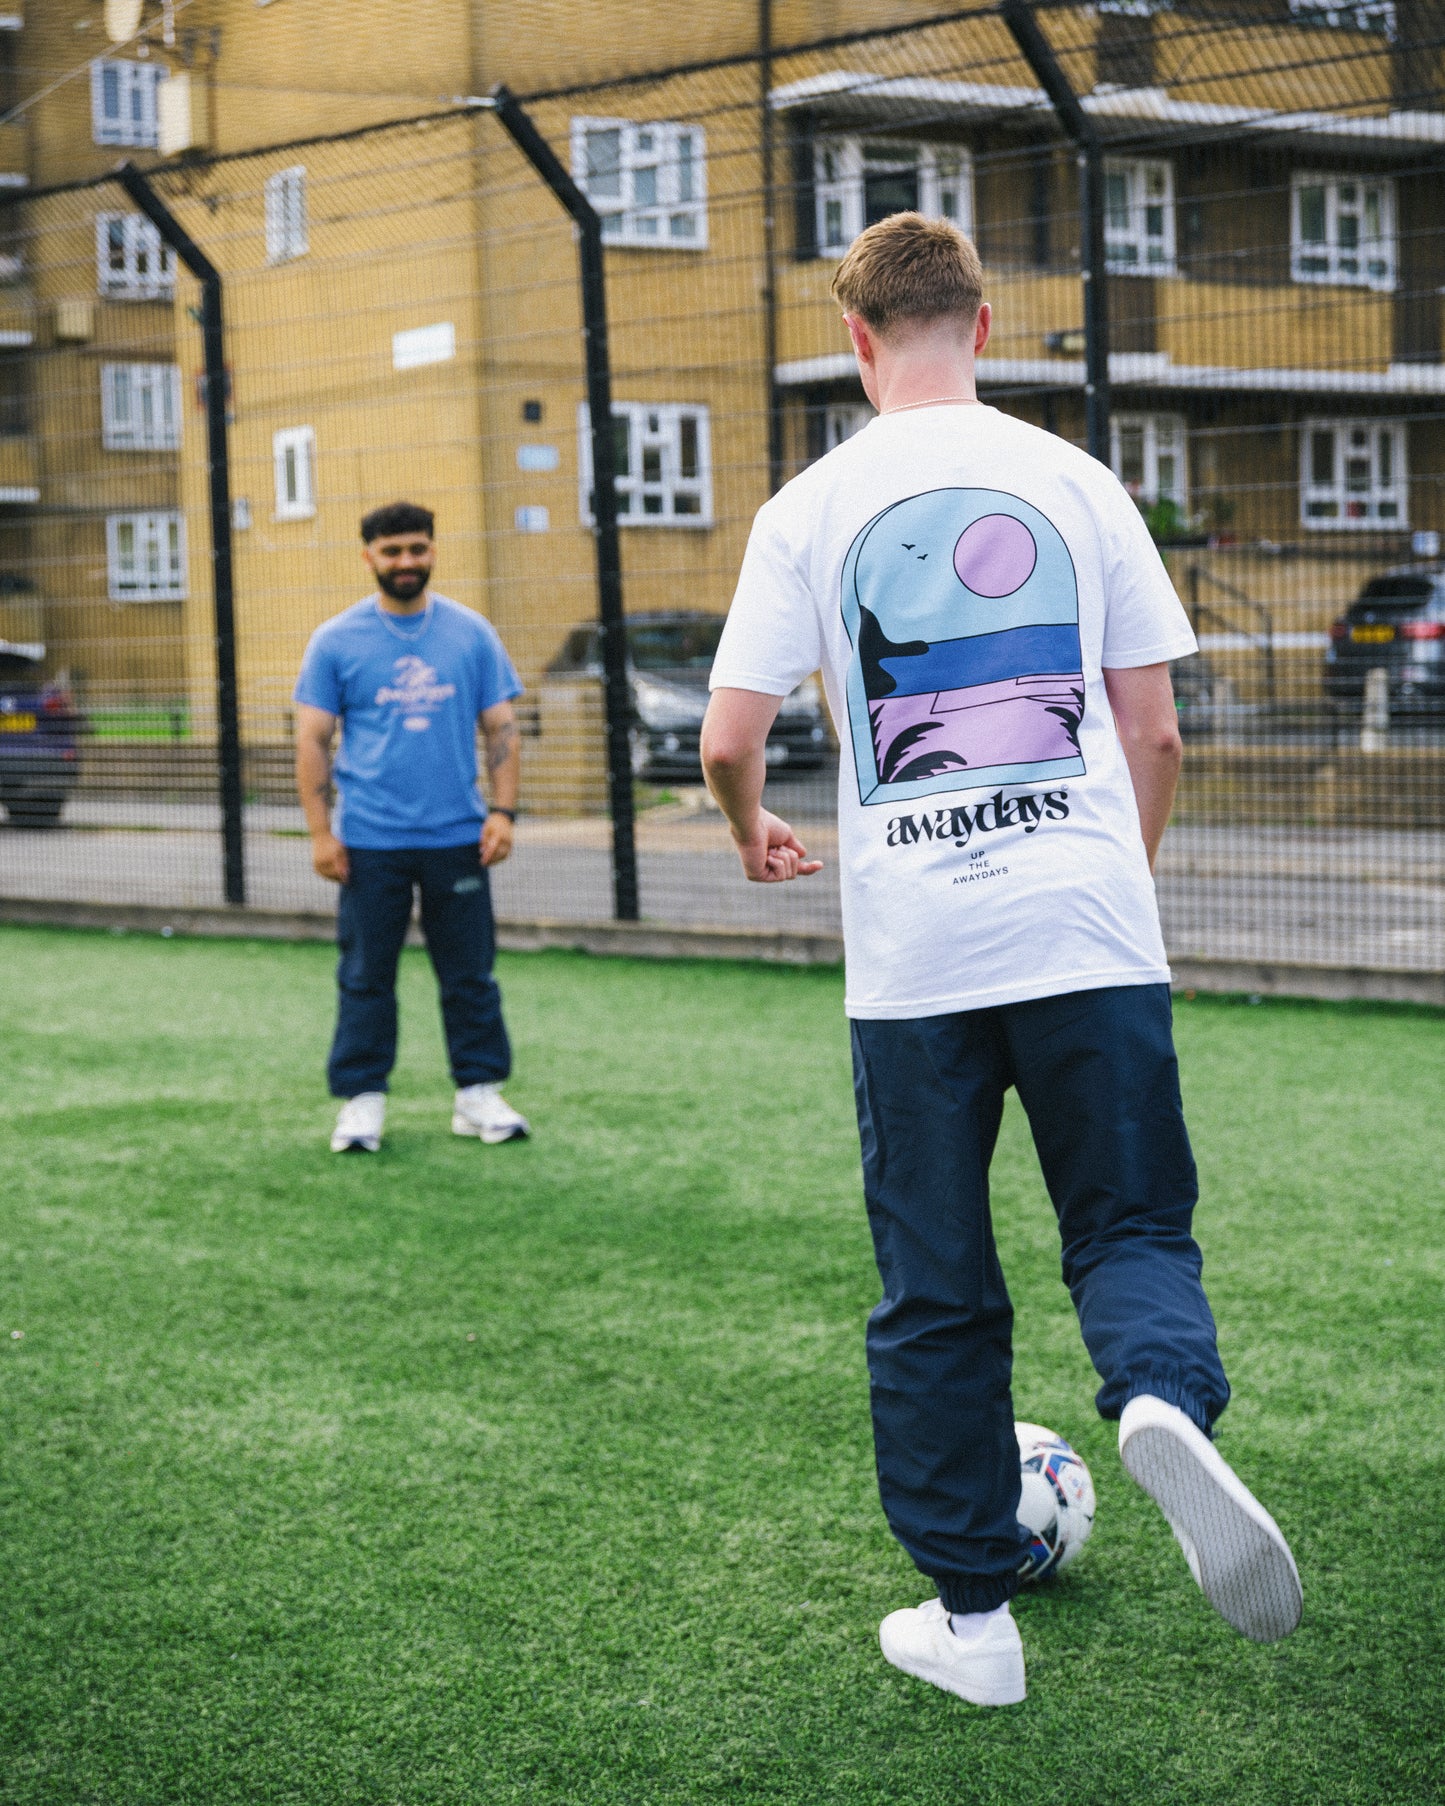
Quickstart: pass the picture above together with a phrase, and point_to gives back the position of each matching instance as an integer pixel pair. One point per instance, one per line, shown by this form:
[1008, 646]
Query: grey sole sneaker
[1235, 1550]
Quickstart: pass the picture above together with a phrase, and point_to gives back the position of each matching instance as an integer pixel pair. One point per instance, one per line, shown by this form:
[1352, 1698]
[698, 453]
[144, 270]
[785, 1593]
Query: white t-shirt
[962, 579]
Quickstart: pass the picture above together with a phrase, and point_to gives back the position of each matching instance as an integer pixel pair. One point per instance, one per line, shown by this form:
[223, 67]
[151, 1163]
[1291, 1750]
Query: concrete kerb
[1327, 984]
[639, 940]
[649, 940]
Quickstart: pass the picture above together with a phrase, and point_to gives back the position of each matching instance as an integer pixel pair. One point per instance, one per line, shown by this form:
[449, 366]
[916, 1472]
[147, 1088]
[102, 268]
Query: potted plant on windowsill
[1169, 525]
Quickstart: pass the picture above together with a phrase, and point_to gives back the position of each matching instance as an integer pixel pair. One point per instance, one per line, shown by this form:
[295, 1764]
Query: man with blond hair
[994, 627]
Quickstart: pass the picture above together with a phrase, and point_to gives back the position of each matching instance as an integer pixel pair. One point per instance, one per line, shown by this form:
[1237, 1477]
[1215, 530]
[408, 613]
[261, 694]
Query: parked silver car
[669, 657]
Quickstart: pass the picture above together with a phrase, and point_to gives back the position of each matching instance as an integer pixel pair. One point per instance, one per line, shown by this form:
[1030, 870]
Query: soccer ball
[1056, 1504]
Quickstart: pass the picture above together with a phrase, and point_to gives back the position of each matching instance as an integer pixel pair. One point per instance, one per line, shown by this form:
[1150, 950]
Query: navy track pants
[456, 921]
[1097, 1075]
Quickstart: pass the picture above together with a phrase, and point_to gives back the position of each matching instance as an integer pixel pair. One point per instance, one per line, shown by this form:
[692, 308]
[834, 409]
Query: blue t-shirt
[408, 693]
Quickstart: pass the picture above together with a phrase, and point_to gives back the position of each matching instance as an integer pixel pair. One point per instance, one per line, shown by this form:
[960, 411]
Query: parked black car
[669, 656]
[1398, 625]
[39, 738]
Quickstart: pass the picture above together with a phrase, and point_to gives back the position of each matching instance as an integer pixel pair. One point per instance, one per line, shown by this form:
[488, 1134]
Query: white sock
[969, 1625]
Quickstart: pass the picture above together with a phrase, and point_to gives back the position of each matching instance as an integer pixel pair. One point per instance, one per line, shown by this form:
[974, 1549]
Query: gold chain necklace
[938, 401]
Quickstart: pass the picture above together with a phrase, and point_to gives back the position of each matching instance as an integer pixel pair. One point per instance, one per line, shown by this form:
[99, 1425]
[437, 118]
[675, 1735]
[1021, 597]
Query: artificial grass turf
[275, 1528]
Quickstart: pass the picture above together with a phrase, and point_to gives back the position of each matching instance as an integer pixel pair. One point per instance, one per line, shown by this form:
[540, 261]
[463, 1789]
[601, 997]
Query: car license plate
[17, 724]
[775, 755]
[1372, 636]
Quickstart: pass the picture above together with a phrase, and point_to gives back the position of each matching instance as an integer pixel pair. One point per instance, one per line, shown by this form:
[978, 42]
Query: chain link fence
[403, 319]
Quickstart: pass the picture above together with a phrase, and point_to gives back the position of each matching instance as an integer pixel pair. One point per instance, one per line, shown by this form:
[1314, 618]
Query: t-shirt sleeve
[772, 639]
[500, 682]
[1144, 621]
[319, 682]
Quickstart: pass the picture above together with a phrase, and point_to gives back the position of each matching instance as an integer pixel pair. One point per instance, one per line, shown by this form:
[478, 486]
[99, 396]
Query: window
[140, 407]
[1139, 216]
[648, 181]
[10, 28]
[286, 235]
[1147, 452]
[293, 452]
[15, 414]
[1363, 15]
[1343, 230]
[859, 181]
[841, 420]
[1353, 474]
[664, 464]
[123, 102]
[131, 262]
[146, 554]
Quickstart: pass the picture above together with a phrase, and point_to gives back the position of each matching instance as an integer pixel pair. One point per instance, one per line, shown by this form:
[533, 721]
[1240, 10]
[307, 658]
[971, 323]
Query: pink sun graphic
[995, 556]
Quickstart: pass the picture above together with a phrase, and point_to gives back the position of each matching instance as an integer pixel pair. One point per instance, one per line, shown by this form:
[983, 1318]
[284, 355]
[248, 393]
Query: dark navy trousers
[456, 920]
[1097, 1075]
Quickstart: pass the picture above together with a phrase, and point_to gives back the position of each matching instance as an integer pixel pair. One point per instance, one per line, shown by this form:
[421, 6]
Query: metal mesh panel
[403, 319]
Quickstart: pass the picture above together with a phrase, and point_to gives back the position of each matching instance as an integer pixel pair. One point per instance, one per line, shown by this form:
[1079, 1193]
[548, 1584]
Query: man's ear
[862, 336]
[981, 328]
[366, 557]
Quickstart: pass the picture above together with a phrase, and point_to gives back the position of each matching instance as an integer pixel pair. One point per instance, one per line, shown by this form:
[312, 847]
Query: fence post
[218, 456]
[768, 145]
[1018, 15]
[1375, 721]
[617, 690]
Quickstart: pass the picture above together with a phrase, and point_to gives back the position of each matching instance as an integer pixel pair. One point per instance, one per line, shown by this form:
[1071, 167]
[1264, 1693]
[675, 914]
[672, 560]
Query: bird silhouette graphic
[968, 674]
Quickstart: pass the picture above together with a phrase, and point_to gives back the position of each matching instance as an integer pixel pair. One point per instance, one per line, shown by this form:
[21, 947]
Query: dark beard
[403, 586]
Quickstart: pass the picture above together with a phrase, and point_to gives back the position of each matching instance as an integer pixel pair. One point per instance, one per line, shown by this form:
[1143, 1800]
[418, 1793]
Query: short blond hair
[910, 268]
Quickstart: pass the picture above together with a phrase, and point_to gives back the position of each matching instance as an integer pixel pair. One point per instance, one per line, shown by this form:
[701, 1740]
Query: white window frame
[287, 220]
[1131, 245]
[293, 459]
[840, 164]
[140, 407]
[135, 120]
[1361, 15]
[1368, 263]
[656, 197]
[147, 267]
[657, 438]
[145, 556]
[1369, 472]
[1161, 436]
[841, 419]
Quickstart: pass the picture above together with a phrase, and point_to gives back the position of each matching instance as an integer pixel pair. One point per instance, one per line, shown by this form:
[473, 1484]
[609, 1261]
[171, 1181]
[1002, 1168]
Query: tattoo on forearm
[501, 746]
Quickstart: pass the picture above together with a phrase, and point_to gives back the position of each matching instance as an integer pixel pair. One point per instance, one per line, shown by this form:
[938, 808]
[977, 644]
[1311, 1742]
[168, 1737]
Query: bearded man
[406, 674]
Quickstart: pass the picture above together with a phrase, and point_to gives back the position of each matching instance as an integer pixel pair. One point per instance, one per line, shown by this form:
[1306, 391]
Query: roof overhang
[1151, 370]
[854, 97]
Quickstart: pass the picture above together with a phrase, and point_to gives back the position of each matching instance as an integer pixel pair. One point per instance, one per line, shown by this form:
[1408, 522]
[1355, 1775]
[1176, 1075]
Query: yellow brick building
[403, 311]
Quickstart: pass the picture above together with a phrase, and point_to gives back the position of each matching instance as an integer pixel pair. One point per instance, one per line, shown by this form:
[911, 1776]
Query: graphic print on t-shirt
[962, 607]
[415, 691]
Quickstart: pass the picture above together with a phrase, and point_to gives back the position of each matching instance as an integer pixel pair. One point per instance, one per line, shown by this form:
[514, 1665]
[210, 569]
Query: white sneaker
[359, 1125]
[1235, 1550]
[986, 1670]
[481, 1110]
